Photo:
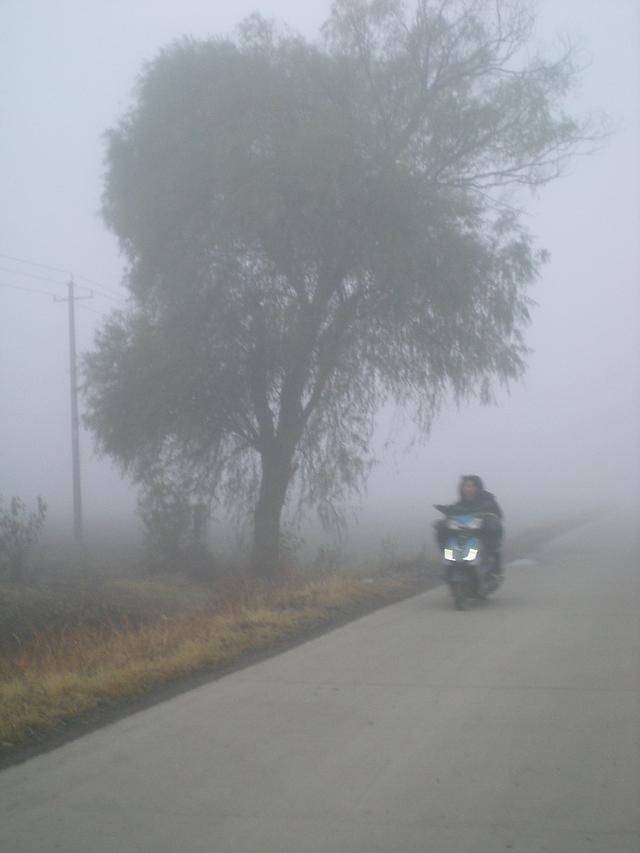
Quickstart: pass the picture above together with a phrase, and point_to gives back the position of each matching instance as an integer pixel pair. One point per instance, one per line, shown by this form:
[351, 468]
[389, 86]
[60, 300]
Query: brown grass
[63, 673]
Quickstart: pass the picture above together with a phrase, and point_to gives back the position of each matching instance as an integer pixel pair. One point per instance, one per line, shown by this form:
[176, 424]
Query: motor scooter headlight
[472, 555]
[448, 554]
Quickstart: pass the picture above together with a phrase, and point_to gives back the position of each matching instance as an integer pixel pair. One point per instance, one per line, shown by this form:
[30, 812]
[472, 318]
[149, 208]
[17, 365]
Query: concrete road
[513, 726]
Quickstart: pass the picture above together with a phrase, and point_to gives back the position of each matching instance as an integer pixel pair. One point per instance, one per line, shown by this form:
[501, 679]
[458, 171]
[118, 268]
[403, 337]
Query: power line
[43, 278]
[27, 289]
[34, 264]
[117, 299]
[53, 295]
[91, 310]
[98, 285]
[33, 275]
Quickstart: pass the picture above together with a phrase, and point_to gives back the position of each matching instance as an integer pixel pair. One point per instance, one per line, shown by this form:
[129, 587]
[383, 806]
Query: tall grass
[63, 673]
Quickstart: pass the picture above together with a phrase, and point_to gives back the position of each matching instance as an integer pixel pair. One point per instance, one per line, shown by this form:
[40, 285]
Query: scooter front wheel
[458, 596]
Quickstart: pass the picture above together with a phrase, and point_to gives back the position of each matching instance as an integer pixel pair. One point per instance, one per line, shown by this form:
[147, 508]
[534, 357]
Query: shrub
[20, 529]
[175, 530]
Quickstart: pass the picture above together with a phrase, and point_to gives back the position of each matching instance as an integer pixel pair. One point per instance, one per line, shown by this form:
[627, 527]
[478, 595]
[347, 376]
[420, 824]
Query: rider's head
[470, 487]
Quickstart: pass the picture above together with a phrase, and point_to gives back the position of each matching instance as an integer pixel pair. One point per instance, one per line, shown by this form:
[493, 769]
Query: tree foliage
[313, 230]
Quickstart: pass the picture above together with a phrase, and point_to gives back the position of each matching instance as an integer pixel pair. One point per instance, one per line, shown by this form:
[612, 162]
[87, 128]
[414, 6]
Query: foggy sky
[566, 438]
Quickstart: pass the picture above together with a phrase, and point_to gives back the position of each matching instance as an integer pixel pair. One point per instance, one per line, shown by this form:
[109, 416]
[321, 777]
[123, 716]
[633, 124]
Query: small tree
[19, 531]
[175, 522]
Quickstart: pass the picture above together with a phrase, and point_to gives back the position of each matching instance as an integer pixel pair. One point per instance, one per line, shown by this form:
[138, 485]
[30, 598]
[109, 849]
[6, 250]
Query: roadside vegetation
[96, 628]
[57, 674]
[82, 638]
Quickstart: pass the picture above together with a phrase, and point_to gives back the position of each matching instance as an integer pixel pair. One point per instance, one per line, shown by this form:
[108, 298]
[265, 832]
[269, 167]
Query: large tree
[313, 230]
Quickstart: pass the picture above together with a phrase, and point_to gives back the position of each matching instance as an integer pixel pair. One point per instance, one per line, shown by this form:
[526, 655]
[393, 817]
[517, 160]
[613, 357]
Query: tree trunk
[265, 560]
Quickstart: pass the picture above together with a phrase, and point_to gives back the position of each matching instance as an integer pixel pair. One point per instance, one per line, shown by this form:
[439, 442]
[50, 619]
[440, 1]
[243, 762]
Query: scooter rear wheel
[458, 597]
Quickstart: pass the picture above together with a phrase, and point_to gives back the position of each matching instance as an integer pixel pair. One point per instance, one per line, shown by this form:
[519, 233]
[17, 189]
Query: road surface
[513, 726]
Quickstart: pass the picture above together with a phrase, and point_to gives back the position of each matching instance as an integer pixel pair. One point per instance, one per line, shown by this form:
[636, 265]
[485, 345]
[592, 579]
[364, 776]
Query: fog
[566, 439]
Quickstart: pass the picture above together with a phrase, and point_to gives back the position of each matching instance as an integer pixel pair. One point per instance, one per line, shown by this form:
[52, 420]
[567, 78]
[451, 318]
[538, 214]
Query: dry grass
[60, 674]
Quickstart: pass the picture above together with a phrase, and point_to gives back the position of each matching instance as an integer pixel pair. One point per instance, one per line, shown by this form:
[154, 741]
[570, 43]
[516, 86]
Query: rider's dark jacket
[484, 501]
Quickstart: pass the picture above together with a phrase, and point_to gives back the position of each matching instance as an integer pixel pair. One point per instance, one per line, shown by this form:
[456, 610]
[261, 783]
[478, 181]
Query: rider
[474, 498]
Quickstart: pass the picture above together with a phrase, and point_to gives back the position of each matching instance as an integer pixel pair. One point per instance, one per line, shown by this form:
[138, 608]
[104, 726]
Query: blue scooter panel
[461, 542]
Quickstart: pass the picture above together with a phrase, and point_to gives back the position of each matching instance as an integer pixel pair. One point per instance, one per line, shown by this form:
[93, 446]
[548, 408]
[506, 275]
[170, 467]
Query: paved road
[513, 726]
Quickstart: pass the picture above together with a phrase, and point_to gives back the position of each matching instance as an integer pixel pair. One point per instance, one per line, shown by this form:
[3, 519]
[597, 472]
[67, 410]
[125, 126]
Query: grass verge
[99, 646]
[61, 674]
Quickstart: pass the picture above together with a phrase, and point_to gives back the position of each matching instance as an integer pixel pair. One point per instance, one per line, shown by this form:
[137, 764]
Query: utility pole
[75, 418]
[105, 293]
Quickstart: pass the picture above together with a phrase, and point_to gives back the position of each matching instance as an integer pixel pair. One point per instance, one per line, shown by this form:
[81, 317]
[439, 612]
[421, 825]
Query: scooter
[470, 571]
